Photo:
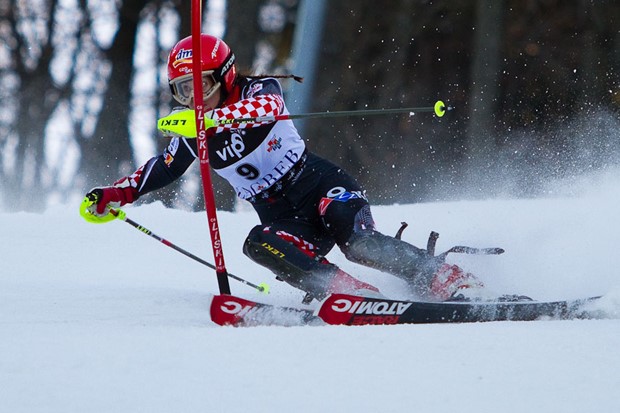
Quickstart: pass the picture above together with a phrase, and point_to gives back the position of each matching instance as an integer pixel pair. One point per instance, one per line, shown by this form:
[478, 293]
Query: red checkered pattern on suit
[264, 105]
[132, 180]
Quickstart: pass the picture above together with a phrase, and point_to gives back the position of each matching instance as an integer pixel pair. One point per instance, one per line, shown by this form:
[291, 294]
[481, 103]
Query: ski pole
[120, 214]
[439, 108]
[183, 122]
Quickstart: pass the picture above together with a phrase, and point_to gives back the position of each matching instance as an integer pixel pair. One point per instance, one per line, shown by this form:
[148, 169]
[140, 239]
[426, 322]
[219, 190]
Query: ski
[230, 310]
[343, 309]
[355, 310]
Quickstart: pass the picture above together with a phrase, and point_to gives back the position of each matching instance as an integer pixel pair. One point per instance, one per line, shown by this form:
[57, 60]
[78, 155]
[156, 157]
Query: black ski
[355, 310]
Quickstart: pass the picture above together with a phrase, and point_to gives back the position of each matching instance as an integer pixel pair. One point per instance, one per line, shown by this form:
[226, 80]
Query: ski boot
[451, 283]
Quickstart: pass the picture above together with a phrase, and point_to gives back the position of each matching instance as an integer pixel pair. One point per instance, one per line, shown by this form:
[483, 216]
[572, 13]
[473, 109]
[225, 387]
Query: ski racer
[305, 203]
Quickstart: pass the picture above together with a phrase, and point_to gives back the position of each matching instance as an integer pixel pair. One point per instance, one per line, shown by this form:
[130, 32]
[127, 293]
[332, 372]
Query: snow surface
[101, 318]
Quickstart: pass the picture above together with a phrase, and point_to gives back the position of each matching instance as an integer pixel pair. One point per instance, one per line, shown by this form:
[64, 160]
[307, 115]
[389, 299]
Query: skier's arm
[254, 107]
[164, 169]
[156, 173]
[261, 97]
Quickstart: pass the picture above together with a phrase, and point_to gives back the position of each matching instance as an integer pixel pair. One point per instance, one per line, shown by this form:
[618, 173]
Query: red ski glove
[112, 196]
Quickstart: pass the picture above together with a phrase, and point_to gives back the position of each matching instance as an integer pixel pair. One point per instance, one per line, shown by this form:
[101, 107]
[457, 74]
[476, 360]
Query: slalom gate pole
[203, 153]
[120, 214]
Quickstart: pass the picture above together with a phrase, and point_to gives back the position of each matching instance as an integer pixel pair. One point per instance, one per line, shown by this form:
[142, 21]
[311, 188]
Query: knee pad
[291, 264]
[264, 248]
[276, 250]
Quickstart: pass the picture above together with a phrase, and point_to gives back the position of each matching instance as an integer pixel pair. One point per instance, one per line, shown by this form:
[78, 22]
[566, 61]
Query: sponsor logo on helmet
[215, 48]
[183, 56]
[228, 65]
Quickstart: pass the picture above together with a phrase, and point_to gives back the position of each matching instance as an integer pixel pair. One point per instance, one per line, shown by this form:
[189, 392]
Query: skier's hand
[97, 202]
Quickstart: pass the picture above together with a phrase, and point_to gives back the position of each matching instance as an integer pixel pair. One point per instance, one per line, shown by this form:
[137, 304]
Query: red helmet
[218, 61]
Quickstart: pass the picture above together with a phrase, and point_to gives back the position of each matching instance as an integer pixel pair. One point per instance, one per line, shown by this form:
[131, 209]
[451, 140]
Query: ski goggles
[183, 87]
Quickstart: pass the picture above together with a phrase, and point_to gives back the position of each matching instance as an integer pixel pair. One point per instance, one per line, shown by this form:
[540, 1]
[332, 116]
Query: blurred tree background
[535, 87]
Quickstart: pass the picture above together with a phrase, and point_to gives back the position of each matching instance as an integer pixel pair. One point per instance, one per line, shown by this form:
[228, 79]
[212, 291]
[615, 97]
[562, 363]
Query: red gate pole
[203, 153]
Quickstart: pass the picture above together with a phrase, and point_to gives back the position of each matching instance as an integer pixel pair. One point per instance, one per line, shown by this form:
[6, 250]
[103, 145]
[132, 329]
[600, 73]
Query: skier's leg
[368, 247]
[296, 261]
[376, 250]
[428, 276]
[350, 221]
